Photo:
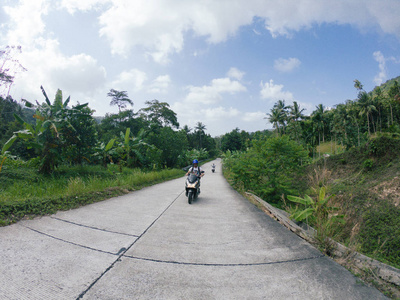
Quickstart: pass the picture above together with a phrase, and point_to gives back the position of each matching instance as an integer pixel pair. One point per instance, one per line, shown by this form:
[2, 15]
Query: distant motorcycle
[192, 186]
[213, 168]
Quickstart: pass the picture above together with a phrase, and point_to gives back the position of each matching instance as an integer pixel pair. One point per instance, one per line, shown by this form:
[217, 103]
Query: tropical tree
[378, 102]
[112, 124]
[81, 137]
[274, 117]
[339, 123]
[358, 85]
[278, 116]
[352, 110]
[173, 146]
[200, 131]
[119, 98]
[232, 141]
[296, 115]
[283, 113]
[159, 114]
[319, 118]
[366, 107]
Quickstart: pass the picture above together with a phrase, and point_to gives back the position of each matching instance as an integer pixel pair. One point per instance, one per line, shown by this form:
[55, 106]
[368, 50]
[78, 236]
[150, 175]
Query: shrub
[267, 167]
[368, 164]
[380, 232]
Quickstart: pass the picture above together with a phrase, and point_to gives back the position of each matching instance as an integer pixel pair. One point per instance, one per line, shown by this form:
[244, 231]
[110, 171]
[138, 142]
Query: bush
[380, 232]
[267, 168]
[368, 164]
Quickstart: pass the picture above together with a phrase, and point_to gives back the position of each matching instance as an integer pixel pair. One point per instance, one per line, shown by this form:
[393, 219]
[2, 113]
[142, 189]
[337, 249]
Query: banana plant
[323, 217]
[312, 208]
[105, 152]
[46, 135]
[129, 148]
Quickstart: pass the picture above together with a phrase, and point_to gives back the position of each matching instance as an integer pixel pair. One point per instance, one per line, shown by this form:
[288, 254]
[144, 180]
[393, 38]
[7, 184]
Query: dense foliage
[350, 151]
[64, 135]
[267, 167]
[349, 124]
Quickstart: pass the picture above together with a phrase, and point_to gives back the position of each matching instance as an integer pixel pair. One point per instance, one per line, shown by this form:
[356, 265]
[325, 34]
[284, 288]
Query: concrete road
[151, 244]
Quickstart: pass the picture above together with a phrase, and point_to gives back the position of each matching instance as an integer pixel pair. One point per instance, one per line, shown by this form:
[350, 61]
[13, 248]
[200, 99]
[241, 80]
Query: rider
[195, 169]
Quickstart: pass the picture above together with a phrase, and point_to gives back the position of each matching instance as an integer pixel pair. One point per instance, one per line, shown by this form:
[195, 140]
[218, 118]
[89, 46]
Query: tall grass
[69, 187]
[330, 148]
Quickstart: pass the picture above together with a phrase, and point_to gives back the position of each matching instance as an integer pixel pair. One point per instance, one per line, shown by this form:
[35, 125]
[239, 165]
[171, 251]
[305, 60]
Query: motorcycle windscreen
[192, 178]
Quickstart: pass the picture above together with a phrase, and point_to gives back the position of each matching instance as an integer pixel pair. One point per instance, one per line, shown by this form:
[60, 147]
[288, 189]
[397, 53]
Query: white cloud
[382, 75]
[133, 78]
[210, 94]
[159, 26]
[274, 92]
[26, 21]
[219, 113]
[253, 116]
[286, 65]
[81, 5]
[78, 75]
[235, 73]
[160, 84]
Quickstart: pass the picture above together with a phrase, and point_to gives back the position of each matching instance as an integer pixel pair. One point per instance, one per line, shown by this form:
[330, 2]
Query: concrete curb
[381, 270]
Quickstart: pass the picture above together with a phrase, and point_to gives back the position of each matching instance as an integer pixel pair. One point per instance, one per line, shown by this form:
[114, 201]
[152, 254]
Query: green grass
[330, 148]
[24, 192]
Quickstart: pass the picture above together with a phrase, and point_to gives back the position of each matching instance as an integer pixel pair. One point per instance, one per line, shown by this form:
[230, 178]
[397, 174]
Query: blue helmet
[195, 161]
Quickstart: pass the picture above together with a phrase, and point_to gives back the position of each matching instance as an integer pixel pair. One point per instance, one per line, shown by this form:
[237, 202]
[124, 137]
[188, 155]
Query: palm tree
[366, 106]
[295, 114]
[318, 117]
[187, 129]
[283, 113]
[353, 112]
[358, 85]
[200, 127]
[274, 117]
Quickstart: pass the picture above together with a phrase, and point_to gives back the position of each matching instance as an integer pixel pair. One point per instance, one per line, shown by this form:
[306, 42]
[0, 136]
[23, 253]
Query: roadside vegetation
[26, 193]
[335, 169]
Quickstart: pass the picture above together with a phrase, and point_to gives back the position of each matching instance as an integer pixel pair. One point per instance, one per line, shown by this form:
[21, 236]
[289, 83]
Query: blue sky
[223, 63]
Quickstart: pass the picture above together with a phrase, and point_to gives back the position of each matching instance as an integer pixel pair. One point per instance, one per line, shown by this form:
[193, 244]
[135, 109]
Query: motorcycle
[192, 186]
[213, 169]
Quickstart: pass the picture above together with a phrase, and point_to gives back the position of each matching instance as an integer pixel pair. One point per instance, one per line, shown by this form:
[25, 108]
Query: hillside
[366, 182]
[385, 87]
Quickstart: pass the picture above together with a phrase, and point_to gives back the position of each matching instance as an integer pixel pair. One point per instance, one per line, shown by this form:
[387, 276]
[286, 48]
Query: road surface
[151, 244]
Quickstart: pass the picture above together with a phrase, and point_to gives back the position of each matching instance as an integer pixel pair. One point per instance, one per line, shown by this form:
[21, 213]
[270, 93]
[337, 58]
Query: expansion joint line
[123, 251]
[92, 227]
[68, 242]
[227, 264]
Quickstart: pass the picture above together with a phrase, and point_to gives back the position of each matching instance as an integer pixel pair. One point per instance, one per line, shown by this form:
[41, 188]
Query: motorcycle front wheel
[190, 197]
